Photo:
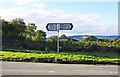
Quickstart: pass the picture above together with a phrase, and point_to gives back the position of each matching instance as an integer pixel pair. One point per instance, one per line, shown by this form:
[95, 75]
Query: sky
[88, 18]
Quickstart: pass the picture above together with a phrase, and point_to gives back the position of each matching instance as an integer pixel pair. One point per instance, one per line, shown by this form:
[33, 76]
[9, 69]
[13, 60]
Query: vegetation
[23, 36]
[19, 36]
[60, 58]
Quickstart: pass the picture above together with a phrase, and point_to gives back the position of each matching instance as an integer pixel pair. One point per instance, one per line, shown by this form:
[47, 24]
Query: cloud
[39, 14]
[22, 2]
[17, 12]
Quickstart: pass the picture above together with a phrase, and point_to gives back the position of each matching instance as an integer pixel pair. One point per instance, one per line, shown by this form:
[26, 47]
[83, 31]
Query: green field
[63, 57]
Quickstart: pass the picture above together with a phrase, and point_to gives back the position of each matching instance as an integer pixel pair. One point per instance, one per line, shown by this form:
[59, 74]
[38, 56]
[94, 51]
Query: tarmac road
[27, 68]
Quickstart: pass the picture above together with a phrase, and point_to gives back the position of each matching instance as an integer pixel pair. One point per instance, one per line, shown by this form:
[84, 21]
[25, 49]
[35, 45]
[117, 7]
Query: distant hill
[80, 37]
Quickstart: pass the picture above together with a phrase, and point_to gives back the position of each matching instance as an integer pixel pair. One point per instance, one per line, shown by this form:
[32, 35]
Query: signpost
[62, 39]
[51, 26]
[66, 26]
[57, 27]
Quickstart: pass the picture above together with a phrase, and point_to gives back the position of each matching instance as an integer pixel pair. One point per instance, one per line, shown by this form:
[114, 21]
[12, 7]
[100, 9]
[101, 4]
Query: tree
[90, 38]
[39, 35]
[106, 40]
[13, 32]
[63, 36]
[52, 38]
[5, 31]
[30, 31]
[19, 26]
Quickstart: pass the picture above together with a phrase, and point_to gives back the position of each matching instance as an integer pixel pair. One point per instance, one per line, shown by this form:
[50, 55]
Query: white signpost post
[57, 27]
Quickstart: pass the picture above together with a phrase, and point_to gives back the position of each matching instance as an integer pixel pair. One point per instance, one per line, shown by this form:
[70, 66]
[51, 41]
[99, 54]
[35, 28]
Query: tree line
[16, 34]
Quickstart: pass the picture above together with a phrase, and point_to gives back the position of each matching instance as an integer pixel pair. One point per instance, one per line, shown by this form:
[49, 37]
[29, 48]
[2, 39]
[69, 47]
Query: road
[23, 68]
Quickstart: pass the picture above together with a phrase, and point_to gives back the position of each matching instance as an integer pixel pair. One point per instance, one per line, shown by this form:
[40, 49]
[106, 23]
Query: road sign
[63, 39]
[66, 26]
[51, 26]
[59, 26]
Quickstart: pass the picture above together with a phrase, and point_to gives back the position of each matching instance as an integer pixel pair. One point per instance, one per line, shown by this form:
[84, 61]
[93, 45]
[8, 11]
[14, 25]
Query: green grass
[64, 57]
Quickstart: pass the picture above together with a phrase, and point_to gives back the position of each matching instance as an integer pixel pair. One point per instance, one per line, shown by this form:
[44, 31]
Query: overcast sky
[91, 18]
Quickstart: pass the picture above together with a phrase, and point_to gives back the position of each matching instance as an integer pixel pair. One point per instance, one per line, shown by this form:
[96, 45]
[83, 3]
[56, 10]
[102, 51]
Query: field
[63, 57]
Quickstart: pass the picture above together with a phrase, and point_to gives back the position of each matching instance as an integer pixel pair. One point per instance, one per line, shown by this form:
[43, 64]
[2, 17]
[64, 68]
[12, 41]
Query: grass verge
[71, 58]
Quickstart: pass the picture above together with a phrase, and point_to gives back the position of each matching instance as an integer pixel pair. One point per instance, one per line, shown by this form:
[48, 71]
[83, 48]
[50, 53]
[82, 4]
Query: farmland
[63, 57]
